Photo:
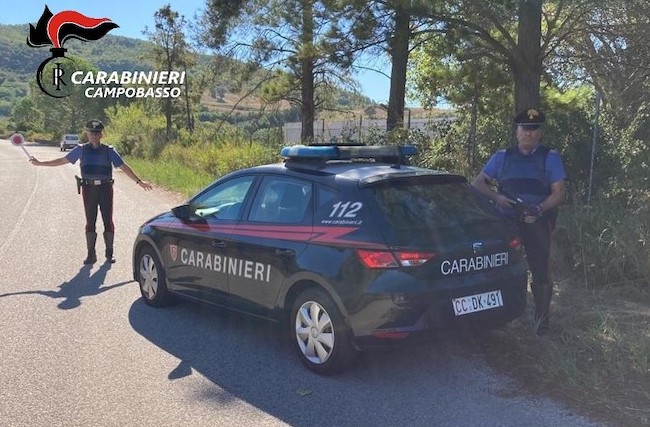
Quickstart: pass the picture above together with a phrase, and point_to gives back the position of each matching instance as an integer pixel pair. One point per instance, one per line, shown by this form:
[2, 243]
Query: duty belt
[96, 181]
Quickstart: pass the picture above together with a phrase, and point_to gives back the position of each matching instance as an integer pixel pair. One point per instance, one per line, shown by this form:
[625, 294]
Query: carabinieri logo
[55, 30]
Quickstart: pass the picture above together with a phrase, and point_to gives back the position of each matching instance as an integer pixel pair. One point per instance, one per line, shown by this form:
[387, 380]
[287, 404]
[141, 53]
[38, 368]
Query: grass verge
[170, 174]
[596, 358]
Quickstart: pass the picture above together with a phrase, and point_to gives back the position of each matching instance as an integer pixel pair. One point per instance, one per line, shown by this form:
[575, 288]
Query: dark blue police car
[346, 245]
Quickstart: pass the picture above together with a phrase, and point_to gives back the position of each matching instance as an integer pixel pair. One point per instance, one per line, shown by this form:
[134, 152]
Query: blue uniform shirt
[96, 163]
[553, 170]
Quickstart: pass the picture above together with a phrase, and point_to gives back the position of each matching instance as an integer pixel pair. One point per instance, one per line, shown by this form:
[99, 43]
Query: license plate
[477, 302]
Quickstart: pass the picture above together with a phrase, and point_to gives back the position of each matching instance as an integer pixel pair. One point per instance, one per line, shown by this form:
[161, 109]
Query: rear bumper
[388, 319]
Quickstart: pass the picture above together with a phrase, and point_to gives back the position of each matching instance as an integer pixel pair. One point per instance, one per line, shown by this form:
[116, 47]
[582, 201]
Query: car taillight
[515, 243]
[377, 259]
[387, 259]
[413, 259]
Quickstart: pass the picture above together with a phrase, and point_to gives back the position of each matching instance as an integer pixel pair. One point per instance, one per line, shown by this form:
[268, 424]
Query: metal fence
[356, 129]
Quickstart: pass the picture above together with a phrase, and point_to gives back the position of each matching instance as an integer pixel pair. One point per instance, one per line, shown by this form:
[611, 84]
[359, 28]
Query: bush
[135, 131]
[218, 159]
[5, 127]
[606, 245]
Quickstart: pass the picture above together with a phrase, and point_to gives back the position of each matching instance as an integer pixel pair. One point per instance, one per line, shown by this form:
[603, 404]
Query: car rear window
[417, 206]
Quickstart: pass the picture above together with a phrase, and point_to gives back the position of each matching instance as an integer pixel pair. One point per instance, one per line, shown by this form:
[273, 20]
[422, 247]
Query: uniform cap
[530, 118]
[95, 125]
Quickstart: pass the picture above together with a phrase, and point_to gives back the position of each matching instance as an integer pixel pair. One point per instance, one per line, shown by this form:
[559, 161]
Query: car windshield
[416, 207]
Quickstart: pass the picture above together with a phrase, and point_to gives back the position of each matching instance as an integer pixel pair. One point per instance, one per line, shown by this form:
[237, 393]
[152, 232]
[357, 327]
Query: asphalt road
[78, 347]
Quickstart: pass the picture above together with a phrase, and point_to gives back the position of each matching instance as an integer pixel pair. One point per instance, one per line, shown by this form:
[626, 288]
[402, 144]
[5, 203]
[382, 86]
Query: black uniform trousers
[98, 196]
[537, 244]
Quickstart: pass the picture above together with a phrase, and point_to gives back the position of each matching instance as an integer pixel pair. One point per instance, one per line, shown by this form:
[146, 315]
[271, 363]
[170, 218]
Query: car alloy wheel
[322, 337]
[315, 332]
[151, 277]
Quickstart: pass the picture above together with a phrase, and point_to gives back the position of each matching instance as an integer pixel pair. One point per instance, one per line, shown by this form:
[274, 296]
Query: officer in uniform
[534, 174]
[97, 162]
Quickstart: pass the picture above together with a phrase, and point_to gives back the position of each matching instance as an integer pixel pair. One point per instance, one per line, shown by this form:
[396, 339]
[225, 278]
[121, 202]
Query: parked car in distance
[69, 140]
[347, 247]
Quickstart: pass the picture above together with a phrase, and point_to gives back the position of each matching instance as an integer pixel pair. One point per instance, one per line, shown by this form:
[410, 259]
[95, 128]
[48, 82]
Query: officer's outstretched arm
[55, 162]
[129, 172]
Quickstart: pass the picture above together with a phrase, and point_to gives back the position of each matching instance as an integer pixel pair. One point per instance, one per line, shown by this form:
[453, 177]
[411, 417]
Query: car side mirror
[182, 212]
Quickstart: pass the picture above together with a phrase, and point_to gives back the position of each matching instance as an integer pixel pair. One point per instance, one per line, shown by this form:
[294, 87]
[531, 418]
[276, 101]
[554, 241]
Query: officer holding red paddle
[97, 161]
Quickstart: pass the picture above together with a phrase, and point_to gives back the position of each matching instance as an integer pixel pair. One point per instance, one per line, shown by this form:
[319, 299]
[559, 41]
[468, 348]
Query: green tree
[521, 34]
[388, 27]
[449, 69]
[398, 49]
[513, 33]
[171, 52]
[302, 43]
[613, 46]
[136, 129]
[610, 49]
[25, 115]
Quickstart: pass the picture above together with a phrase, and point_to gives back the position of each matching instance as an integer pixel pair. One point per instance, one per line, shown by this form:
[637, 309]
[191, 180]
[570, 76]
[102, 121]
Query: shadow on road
[83, 284]
[247, 359]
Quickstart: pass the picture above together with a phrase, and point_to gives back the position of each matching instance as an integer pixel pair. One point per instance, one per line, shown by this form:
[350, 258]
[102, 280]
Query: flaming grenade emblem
[55, 30]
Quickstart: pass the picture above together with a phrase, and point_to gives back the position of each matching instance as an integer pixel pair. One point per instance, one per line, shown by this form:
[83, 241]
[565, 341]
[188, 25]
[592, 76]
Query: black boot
[542, 295]
[91, 238]
[108, 240]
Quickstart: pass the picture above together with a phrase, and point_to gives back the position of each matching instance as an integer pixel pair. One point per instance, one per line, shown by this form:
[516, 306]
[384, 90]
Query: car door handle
[219, 244]
[285, 252]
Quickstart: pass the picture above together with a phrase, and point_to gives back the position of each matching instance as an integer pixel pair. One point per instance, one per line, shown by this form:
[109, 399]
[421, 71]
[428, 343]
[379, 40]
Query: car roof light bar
[347, 152]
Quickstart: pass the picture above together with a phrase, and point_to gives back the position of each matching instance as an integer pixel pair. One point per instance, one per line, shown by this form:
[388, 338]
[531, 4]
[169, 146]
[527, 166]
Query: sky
[133, 16]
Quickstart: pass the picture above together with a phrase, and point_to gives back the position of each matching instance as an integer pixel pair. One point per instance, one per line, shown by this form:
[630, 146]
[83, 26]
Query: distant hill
[111, 52]
[19, 62]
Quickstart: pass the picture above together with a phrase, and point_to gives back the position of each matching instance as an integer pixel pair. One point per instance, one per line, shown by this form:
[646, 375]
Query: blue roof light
[347, 152]
[303, 151]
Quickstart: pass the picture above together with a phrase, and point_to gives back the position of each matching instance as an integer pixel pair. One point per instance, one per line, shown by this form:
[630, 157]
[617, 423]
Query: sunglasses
[529, 127]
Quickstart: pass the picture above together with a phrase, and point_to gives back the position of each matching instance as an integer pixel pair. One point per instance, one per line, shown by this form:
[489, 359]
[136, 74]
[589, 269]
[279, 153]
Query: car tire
[319, 333]
[152, 279]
